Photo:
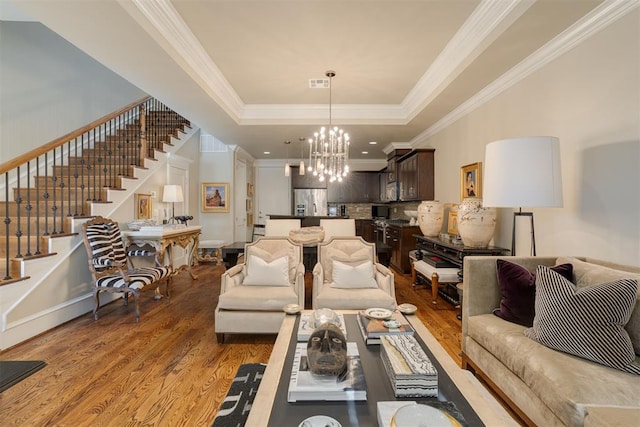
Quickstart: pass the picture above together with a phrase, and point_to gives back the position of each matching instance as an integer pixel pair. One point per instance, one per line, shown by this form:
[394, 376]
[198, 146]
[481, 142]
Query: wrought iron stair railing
[45, 187]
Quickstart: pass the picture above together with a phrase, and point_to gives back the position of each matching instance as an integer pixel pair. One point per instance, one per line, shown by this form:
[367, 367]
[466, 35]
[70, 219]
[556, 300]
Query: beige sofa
[545, 387]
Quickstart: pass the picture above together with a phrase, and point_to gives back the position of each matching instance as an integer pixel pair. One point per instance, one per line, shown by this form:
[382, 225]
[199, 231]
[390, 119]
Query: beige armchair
[280, 227]
[339, 227]
[347, 276]
[253, 293]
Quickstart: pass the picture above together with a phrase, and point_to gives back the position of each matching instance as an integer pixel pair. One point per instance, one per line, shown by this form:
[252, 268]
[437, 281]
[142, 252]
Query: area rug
[236, 406]
[13, 371]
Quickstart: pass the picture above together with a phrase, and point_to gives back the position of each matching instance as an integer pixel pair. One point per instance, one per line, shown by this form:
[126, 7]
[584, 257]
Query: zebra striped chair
[111, 266]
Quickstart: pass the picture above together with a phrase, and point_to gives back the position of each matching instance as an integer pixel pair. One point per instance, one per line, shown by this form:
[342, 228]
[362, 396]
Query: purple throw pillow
[518, 289]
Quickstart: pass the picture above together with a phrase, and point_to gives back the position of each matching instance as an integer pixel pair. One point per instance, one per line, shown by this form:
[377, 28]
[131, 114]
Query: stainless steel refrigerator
[310, 202]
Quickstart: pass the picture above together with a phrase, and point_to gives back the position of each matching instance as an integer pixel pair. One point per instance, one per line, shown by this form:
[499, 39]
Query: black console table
[453, 253]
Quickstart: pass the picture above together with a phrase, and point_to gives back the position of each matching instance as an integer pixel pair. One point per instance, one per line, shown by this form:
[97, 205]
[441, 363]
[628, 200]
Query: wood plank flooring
[167, 370]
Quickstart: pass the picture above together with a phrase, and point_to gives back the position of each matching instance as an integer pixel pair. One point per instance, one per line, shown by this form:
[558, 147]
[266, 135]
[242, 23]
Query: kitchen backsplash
[363, 210]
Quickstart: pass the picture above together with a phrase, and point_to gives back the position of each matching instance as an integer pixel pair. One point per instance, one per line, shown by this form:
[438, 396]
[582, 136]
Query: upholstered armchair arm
[385, 279]
[232, 277]
[318, 280]
[299, 283]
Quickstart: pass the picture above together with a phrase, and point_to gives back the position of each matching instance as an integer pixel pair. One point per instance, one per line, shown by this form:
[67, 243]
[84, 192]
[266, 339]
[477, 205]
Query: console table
[454, 253]
[162, 239]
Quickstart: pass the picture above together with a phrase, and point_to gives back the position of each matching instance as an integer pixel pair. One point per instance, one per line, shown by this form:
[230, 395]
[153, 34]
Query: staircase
[46, 189]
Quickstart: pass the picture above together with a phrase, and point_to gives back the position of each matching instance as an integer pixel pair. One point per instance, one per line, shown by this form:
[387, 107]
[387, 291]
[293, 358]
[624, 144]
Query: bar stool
[258, 231]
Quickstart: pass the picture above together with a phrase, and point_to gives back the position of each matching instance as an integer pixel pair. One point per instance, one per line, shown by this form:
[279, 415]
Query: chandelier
[329, 149]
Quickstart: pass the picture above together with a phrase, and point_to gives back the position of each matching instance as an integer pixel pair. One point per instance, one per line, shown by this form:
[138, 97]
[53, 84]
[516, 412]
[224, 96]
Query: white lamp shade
[172, 193]
[523, 172]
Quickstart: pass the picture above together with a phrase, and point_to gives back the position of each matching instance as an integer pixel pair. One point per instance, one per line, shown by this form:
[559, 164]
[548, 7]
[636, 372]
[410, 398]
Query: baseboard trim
[38, 323]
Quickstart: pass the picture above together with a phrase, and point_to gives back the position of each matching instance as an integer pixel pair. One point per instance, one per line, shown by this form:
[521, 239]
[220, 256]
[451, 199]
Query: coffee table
[270, 407]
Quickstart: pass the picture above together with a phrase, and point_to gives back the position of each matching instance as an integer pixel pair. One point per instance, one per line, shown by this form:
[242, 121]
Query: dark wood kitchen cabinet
[305, 181]
[402, 239]
[357, 187]
[416, 175]
[364, 228]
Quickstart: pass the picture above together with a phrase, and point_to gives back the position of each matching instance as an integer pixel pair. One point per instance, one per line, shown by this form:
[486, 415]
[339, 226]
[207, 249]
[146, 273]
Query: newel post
[143, 133]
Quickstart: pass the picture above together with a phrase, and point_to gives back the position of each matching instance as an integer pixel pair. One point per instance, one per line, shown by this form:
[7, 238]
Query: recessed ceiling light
[267, 152]
[373, 142]
[365, 152]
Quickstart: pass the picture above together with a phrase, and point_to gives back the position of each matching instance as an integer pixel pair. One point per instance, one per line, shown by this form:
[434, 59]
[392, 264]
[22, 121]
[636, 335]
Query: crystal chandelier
[329, 149]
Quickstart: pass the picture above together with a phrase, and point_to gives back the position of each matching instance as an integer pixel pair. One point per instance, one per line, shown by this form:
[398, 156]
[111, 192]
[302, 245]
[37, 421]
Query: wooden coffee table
[269, 404]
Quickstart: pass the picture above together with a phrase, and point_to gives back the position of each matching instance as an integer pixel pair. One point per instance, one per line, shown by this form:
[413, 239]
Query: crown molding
[189, 53]
[489, 20]
[598, 19]
[482, 27]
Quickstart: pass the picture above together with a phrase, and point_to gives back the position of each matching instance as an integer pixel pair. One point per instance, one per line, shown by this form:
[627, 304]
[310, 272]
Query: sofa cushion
[257, 298]
[357, 276]
[587, 322]
[586, 274]
[263, 273]
[353, 299]
[565, 383]
[518, 289]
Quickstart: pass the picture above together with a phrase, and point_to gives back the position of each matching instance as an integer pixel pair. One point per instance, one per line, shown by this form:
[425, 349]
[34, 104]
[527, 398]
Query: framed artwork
[249, 189]
[471, 180]
[143, 206]
[215, 197]
[452, 223]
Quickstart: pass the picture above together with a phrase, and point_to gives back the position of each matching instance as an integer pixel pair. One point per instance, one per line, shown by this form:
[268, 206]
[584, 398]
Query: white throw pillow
[359, 276]
[263, 273]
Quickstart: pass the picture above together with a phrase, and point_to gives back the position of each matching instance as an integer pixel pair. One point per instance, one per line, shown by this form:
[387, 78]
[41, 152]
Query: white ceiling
[239, 69]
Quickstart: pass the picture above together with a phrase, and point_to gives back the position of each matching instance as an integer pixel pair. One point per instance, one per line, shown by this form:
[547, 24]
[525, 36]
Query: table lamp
[172, 194]
[523, 172]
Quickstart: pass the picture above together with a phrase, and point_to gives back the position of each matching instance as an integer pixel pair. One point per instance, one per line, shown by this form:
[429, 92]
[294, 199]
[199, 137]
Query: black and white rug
[14, 371]
[236, 406]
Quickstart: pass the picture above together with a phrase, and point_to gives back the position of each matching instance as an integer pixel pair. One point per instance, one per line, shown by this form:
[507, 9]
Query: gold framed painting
[471, 180]
[143, 206]
[215, 197]
[452, 223]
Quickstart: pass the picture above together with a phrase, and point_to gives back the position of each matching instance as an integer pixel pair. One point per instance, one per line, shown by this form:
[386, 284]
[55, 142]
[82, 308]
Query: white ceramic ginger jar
[476, 224]
[430, 217]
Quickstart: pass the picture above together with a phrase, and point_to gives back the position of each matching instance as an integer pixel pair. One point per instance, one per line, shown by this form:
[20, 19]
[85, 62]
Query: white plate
[378, 313]
[320, 421]
[407, 308]
[430, 416]
[291, 308]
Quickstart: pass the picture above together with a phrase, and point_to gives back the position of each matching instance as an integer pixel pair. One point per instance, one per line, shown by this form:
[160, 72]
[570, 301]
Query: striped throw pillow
[587, 322]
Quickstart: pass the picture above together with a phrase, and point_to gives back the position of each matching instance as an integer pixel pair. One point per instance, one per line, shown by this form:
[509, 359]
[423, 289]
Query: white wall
[49, 88]
[590, 99]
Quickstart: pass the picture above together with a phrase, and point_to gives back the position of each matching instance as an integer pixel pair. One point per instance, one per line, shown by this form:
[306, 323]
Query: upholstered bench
[436, 276]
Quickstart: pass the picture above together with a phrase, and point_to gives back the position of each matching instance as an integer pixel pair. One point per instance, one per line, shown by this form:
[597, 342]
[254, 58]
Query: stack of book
[373, 329]
[411, 372]
[437, 262]
[306, 326]
[306, 386]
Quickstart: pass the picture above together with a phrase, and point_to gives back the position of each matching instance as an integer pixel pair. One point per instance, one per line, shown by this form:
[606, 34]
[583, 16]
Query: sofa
[545, 386]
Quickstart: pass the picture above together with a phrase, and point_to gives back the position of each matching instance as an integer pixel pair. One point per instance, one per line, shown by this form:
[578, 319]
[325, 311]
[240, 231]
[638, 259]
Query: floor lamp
[172, 194]
[523, 172]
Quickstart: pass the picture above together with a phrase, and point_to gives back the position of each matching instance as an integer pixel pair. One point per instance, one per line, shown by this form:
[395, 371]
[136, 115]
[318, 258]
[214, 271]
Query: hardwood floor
[166, 370]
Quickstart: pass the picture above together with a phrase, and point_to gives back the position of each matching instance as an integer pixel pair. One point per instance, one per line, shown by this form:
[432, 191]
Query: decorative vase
[476, 224]
[430, 217]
